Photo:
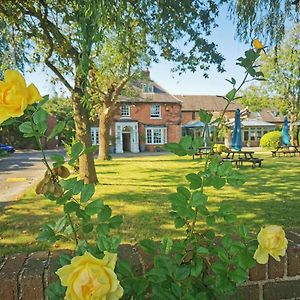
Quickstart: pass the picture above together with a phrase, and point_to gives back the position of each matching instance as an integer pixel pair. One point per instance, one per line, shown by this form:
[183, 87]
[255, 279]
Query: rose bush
[207, 264]
[15, 96]
[88, 277]
[272, 241]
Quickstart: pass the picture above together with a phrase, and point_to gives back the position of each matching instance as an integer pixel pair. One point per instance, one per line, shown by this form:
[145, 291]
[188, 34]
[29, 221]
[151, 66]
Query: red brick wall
[24, 276]
[170, 117]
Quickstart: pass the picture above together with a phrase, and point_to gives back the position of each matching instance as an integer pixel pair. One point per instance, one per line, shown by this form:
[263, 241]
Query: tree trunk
[87, 169]
[293, 120]
[104, 126]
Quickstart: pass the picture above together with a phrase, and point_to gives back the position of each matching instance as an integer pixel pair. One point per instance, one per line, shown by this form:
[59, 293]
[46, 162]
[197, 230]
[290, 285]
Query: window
[258, 132]
[125, 110]
[252, 134]
[155, 111]
[246, 135]
[193, 115]
[147, 88]
[156, 135]
[95, 135]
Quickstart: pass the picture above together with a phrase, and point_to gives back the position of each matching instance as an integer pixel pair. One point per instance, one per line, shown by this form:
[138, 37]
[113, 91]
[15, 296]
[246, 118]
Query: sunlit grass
[138, 189]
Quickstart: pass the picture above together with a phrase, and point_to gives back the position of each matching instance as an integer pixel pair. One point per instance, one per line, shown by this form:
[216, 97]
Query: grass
[138, 188]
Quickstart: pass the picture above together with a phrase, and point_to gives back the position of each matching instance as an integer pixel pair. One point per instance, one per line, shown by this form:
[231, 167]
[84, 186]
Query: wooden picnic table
[202, 151]
[240, 157]
[285, 151]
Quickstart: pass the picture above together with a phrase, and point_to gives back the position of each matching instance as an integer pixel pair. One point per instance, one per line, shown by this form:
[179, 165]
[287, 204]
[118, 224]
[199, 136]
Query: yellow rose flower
[257, 44]
[15, 96]
[90, 278]
[272, 241]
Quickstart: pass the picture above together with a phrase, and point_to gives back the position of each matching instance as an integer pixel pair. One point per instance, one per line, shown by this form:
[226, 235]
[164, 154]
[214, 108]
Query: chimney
[146, 74]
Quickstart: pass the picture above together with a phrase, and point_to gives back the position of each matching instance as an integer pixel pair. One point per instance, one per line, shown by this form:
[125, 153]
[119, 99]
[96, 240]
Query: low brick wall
[25, 276]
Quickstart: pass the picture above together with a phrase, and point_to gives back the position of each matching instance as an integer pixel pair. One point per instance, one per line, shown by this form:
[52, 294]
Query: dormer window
[125, 110]
[155, 111]
[275, 114]
[148, 88]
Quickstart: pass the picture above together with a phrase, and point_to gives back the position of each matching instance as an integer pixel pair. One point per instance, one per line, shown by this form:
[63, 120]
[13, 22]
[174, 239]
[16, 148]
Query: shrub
[271, 139]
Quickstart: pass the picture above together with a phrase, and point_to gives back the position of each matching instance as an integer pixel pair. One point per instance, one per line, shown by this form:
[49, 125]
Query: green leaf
[218, 182]
[243, 231]
[184, 191]
[230, 218]
[236, 179]
[246, 261]
[76, 150]
[59, 127]
[205, 116]
[103, 243]
[176, 149]
[186, 142]
[87, 227]
[197, 267]
[87, 192]
[102, 229]
[71, 206]
[94, 207]
[198, 199]
[231, 94]
[202, 250]
[149, 246]
[58, 160]
[55, 291]
[116, 221]
[27, 129]
[197, 142]
[179, 222]
[43, 101]
[182, 272]
[195, 181]
[64, 259]
[166, 245]
[124, 268]
[238, 276]
[210, 234]
[210, 220]
[104, 214]
[77, 187]
[224, 169]
[227, 241]
[40, 119]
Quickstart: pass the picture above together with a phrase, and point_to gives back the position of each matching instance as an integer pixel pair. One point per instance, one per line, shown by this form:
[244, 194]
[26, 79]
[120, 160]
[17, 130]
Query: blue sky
[188, 83]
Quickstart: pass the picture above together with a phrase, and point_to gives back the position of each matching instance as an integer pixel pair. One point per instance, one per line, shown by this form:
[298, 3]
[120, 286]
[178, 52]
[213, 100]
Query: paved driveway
[18, 172]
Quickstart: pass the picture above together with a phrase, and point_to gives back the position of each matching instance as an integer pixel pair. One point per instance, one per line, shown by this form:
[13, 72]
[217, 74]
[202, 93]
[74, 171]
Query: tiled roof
[256, 123]
[271, 115]
[159, 95]
[206, 102]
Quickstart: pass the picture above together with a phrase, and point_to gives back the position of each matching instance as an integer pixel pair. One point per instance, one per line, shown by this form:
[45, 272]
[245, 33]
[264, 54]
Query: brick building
[155, 117]
[146, 122]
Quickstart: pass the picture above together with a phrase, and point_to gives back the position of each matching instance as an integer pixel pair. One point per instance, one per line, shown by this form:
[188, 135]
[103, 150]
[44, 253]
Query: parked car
[7, 148]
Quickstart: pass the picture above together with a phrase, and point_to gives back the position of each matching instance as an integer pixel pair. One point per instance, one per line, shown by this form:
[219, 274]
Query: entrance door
[126, 141]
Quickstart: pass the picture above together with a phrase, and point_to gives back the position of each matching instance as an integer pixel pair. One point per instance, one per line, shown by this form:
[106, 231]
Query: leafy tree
[61, 109]
[268, 19]
[282, 73]
[68, 35]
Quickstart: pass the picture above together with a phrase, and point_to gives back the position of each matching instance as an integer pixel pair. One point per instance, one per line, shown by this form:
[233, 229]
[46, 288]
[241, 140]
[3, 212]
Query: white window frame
[151, 138]
[147, 88]
[155, 111]
[125, 111]
[95, 135]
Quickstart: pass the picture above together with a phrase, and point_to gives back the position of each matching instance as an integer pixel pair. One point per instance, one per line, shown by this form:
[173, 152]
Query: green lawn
[138, 188]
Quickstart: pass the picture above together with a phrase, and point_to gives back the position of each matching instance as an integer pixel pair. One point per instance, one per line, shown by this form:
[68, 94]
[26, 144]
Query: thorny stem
[73, 228]
[192, 228]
